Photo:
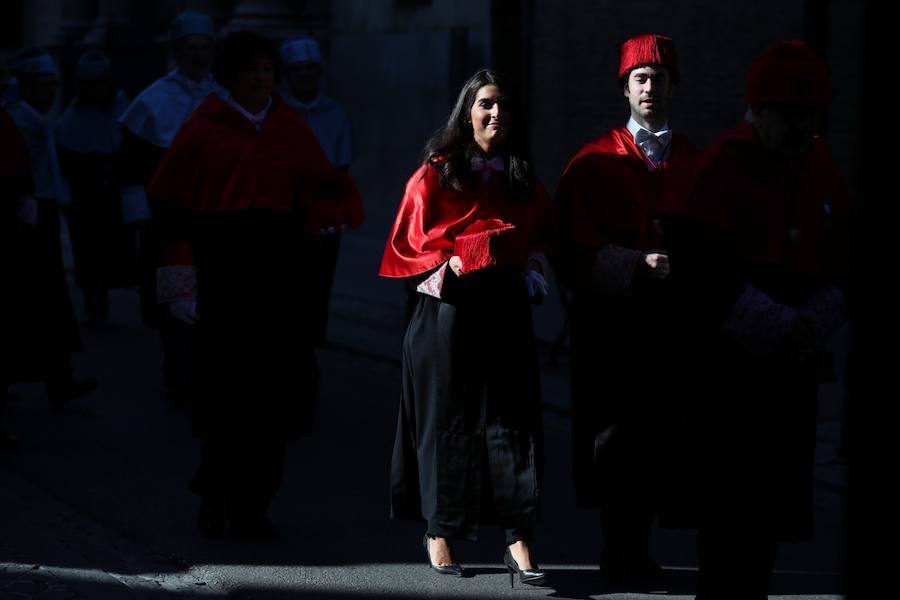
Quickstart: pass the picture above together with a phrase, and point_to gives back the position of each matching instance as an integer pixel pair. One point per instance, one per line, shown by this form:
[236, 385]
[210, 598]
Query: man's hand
[185, 311]
[456, 265]
[658, 263]
[536, 284]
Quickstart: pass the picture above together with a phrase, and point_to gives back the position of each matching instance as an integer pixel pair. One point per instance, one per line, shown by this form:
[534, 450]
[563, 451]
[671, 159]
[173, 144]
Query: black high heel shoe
[528, 576]
[455, 569]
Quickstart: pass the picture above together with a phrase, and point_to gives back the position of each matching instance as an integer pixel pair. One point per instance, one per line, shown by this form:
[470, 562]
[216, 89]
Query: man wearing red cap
[759, 251]
[613, 259]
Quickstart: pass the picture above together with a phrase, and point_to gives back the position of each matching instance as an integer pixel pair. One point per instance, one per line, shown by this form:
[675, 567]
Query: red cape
[14, 155]
[219, 162]
[751, 203]
[608, 196]
[431, 216]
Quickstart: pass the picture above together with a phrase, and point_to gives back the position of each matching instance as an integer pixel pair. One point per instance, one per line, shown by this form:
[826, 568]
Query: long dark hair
[452, 147]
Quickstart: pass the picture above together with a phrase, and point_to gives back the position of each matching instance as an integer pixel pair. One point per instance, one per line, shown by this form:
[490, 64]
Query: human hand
[535, 283]
[456, 265]
[185, 311]
[658, 264]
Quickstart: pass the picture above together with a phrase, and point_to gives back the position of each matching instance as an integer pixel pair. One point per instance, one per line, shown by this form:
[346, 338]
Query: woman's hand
[536, 284]
[456, 265]
[185, 311]
[658, 264]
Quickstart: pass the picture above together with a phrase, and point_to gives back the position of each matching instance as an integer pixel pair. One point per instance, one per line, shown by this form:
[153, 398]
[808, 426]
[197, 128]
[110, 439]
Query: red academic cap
[788, 73]
[648, 49]
[489, 242]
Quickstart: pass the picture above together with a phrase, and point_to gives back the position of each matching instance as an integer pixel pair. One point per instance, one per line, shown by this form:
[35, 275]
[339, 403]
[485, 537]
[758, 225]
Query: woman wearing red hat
[468, 445]
[614, 260]
[760, 253]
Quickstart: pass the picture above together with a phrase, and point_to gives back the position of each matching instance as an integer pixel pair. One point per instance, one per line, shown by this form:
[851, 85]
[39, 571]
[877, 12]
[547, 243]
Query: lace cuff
[541, 259]
[27, 211]
[434, 284]
[758, 323]
[135, 205]
[828, 307]
[177, 282]
[614, 270]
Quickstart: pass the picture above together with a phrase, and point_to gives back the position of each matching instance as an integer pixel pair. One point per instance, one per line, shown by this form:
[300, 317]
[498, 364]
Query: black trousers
[512, 534]
[735, 563]
[626, 530]
[245, 474]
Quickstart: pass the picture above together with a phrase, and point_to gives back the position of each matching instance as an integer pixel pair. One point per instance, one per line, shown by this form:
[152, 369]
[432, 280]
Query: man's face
[194, 55]
[649, 90]
[304, 77]
[39, 91]
[787, 130]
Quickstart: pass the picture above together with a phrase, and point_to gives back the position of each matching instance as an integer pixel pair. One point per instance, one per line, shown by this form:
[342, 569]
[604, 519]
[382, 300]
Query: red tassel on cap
[788, 73]
[648, 49]
[489, 242]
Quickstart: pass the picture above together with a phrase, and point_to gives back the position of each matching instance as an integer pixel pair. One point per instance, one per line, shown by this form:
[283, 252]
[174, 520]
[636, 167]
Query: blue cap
[301, 48]
[93, 64]
[192, 23]
[33, 61]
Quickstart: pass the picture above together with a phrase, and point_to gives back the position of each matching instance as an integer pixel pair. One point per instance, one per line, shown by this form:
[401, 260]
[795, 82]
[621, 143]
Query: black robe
[255, 370]
[751, 223]
[468, 448]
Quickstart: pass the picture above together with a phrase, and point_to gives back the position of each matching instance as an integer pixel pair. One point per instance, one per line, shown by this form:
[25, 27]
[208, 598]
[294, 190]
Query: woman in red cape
[467, 237]
[236, 196]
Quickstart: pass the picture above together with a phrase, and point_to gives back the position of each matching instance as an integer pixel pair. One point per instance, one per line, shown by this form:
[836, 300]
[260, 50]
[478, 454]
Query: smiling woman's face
[491, 118]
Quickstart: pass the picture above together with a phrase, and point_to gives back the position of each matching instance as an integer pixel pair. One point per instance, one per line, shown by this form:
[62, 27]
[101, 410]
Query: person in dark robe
[88, 140]
[613, 258]
[468, 237]
[302, 57]
[55, 335]
[148, 127]
[16, 224]
[236, 197]
[758, 255]
[8, 85]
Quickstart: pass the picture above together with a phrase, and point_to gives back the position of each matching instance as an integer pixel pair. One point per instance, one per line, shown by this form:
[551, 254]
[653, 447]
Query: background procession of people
[702, 287]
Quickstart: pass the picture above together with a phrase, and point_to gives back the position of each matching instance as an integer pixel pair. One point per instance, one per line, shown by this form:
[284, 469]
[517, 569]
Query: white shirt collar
[35, 113]
[654, 144]
[634, 127]
[256, 119]
[309, 106]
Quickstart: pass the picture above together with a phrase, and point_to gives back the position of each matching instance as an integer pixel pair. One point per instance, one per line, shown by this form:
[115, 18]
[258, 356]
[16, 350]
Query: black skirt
[256, 371]
[470, 411]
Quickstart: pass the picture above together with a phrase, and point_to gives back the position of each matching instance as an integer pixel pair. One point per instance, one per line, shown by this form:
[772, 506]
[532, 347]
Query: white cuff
[27, 212]
[178, 282]
[135, 204]
[541, 259]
